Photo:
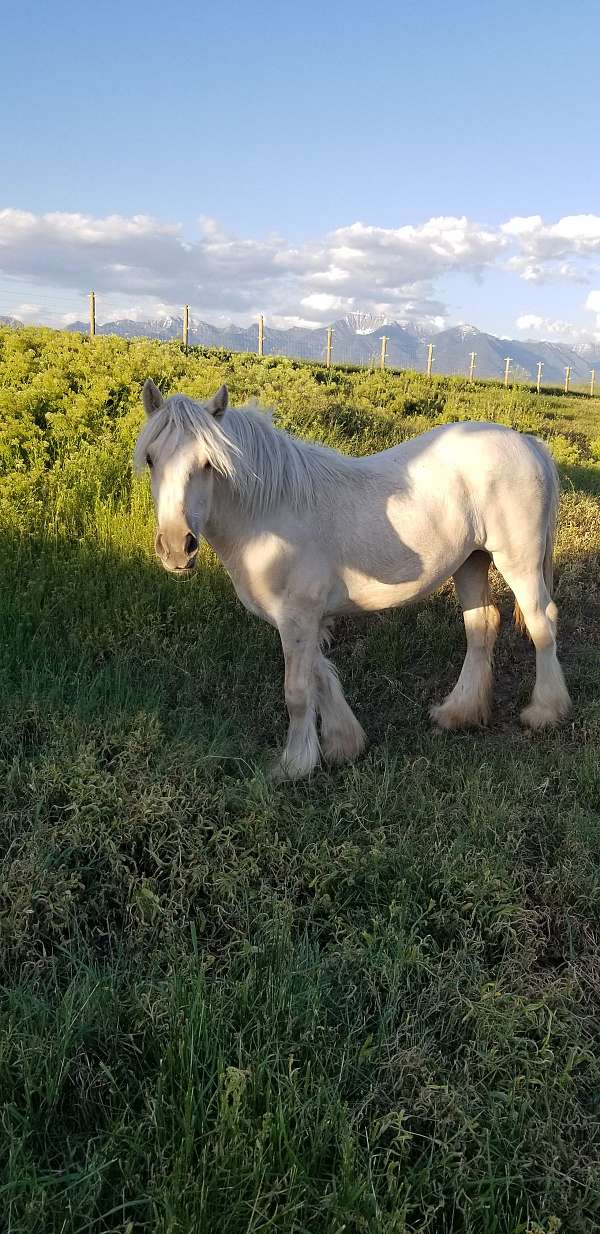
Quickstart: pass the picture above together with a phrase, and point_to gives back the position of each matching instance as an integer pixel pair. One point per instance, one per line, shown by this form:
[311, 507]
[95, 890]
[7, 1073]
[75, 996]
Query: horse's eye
[149, 462]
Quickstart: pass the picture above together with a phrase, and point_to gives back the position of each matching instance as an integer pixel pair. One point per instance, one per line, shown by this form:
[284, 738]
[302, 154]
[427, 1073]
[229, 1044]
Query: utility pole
[507, 361]
[473, 355]
[186, 324]
[384, 343]
[261, 335]
[539, 376]
[92, 314]
[592, 381]
[567, 378]
[329, 345]
[429, 358]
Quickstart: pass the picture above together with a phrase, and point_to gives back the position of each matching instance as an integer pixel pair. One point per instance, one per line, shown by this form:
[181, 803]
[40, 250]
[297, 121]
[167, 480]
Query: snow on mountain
[588, 351]
[466, 331]
[363, 323]
[421, 330]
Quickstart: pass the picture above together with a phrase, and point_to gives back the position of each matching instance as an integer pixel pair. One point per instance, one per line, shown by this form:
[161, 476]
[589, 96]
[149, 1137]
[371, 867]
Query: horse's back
[473, 479]
[462, 439]
[476, 456]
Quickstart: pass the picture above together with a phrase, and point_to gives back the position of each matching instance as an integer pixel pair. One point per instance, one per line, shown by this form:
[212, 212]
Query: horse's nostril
[159, 545]
[191, 544]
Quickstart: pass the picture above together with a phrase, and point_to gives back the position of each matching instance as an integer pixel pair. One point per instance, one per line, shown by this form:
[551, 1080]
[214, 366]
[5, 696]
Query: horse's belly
[418, 546]
[363, 594]
[413, 579]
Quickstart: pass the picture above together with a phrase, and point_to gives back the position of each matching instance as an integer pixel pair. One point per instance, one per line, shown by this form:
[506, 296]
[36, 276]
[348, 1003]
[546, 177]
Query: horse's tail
[548, 562]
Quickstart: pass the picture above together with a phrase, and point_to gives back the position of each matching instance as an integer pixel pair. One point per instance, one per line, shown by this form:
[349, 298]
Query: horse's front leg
[300, 641]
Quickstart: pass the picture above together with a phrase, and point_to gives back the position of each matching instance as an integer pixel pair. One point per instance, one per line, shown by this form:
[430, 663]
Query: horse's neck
[235, 519]
[229, 524]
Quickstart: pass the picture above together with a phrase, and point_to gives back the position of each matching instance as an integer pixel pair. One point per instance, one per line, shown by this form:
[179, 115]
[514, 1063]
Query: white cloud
[549, 272]
[293, 322]
[333, 275]
[384, 270]
[321, 302]
[154, 268]
[27, 312]
[395, 257]
[553, 251]
[593, 304]
[522, 226]
[123, 311]
[65, 319]
[533, 325]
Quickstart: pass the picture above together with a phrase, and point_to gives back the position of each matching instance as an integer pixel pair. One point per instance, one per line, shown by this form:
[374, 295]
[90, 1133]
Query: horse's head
[181, 468]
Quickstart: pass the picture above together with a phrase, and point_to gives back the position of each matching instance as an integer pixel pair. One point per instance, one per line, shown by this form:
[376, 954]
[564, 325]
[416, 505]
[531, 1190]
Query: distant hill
[357, 340]
[452, 349]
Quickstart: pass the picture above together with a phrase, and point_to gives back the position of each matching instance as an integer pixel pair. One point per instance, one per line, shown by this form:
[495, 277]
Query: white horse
[306, 533]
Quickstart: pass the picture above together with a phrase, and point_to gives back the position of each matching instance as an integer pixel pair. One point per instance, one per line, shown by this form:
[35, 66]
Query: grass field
[365, 1004]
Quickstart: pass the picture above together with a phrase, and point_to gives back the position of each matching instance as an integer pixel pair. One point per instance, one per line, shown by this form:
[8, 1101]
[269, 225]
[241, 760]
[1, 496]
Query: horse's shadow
[93, 633]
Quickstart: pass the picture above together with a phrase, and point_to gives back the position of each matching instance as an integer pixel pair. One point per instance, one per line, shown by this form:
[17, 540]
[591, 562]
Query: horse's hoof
[549, 712]
[451, 716]
[536, 716]
[276, 771]
[281, 771]
[343, 745]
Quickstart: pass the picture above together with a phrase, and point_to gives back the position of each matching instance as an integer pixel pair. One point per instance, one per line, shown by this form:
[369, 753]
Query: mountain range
[357, 340]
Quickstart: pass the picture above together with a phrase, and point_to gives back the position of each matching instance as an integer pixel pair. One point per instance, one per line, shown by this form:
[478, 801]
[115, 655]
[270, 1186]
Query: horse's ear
[152, 398]
[217, 405]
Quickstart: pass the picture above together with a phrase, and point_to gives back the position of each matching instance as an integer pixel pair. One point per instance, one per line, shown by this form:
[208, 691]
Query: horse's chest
[254, 605]
[260, 571]
[255, 596]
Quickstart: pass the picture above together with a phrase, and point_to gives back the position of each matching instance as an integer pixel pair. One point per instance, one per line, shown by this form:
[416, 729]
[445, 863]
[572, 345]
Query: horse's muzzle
[184, 570]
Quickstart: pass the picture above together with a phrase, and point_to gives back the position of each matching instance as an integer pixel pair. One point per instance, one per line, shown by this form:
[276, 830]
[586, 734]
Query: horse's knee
[541, 630]
[297, 701]
[482, 626]
[552, 615]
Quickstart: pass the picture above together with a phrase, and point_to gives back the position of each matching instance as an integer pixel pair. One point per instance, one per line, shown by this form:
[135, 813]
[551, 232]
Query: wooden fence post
[592, 381]
[473, 355]
[261, 335]
[567, 378]
[429, 358]
[329, 338]
[92, 314]
[539, 375]
[186, 324]
[507, 360]
[384, 343]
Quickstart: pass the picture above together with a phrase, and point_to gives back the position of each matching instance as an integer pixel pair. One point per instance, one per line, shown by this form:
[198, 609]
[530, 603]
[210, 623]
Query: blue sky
[287, 124]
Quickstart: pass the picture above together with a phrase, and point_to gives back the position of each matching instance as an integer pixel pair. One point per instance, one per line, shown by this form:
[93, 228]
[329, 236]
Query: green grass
[364, 1004]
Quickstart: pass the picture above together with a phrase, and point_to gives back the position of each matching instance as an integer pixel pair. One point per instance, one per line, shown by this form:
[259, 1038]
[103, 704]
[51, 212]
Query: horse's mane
[263, 463]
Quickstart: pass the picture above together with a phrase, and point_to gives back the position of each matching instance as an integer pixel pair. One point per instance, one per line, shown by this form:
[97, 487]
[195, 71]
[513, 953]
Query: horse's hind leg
[550, 701]
[342, 738]
[469, 702]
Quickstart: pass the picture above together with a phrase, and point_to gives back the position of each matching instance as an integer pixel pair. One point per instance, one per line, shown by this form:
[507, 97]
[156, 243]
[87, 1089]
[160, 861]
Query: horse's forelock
[181, 416]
